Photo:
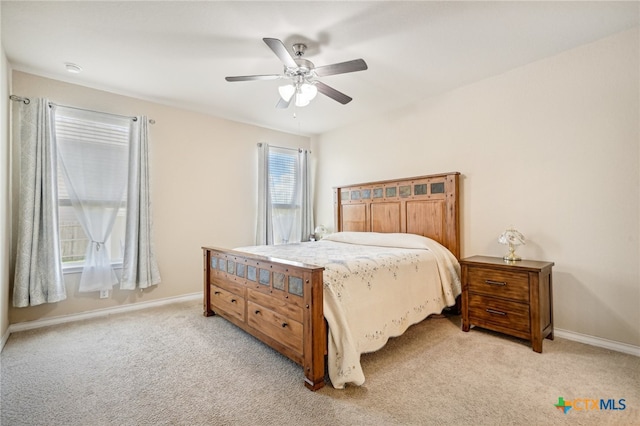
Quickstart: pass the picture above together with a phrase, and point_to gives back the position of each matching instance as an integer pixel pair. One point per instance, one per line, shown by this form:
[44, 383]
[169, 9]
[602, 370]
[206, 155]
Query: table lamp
[320, 232]
[513, 238]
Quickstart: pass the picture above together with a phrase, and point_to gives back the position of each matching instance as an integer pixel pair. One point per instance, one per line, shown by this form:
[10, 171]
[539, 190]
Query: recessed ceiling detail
[73, 68]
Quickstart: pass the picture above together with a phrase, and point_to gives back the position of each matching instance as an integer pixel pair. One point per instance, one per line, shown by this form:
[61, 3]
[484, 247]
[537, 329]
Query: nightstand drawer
[512, 315]
[491, 282]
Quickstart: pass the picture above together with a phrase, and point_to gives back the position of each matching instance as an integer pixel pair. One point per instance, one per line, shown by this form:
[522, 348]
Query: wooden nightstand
[514, 298]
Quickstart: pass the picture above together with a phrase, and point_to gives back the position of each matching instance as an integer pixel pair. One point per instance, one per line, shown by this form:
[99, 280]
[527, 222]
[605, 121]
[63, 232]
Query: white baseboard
[5, 337]
[30, 325]
[597, 341]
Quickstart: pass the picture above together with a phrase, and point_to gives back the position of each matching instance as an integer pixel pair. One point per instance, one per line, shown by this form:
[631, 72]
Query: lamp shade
[511, 236]
[286, 92]
[309, 91]
[301, 101]
[320, 232]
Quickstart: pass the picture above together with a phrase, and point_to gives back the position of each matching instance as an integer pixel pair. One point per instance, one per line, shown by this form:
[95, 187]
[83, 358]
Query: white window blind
[283, 173]
[284, 187]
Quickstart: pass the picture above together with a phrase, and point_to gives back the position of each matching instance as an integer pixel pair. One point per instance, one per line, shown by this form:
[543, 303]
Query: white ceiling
[178, 52]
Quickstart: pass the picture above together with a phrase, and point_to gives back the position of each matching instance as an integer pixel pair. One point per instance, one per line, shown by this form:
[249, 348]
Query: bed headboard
[423, 205]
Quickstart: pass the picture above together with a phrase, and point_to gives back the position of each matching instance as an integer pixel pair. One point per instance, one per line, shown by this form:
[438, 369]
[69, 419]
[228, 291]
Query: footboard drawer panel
[225, 302]
[287, 306]
[275, 325]
[228, 285]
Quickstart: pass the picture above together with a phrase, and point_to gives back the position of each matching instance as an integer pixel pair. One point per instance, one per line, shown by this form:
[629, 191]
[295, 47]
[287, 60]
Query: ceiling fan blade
[253, 77]
[332, 93]
[282, 104]
[281, 52]
[341, 68]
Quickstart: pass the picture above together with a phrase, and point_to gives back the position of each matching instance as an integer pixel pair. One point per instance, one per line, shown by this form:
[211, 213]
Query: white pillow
[399, 240]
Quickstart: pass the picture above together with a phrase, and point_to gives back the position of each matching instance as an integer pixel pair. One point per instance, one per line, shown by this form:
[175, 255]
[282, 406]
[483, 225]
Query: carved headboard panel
[423, 205]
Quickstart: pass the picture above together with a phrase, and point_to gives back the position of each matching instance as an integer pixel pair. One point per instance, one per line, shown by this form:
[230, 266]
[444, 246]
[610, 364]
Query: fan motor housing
[304, 67]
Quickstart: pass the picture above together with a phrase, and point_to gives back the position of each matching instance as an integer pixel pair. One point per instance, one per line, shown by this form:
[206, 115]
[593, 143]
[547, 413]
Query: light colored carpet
[172, 366]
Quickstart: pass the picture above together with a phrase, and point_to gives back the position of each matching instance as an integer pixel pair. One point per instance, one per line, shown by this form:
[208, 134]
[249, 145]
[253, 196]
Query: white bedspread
[375, 286]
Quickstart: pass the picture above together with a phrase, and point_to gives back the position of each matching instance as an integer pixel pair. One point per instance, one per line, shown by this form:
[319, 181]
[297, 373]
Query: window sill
[77, 268]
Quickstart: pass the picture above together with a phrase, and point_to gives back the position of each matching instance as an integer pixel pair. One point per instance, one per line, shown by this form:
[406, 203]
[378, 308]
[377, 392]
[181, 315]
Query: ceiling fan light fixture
[305, 93]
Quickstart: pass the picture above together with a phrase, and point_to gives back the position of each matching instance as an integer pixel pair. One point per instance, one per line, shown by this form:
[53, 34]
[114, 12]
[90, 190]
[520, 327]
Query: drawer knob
[257, 312]
[233, 300]
[493, 311]
[284, 324]
[492, 282]
[216, 292]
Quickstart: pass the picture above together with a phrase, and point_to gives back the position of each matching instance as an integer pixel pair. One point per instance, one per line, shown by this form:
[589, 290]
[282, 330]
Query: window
[283, 172]
[285, 213]
[93, 151]
[285, 190]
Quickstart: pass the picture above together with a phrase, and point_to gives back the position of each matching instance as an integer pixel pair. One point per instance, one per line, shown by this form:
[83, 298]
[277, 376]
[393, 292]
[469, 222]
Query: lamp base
[511, 256]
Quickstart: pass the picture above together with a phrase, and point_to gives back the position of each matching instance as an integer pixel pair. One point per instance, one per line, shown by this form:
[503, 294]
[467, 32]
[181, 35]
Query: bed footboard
[276, 301]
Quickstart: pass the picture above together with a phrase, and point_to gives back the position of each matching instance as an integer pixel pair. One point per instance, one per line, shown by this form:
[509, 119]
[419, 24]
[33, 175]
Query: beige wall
[203, 177]
[551, 148]
[5, 227]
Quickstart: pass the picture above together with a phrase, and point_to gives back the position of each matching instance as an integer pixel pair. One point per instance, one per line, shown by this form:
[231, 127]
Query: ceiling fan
[303, 75]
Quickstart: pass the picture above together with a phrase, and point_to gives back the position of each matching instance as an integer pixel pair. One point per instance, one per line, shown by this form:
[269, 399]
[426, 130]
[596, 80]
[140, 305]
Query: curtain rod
[90, 110]
[284, 147]
[27, 101]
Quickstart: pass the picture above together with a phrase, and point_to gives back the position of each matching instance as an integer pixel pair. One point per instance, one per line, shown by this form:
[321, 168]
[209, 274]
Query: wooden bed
[280, 302]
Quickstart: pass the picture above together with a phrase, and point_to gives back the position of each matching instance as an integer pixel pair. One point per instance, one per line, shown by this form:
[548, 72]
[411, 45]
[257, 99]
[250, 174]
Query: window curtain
[264, 231]
[139, 267]
[38, 273]
[306, 213]
[95, 173]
